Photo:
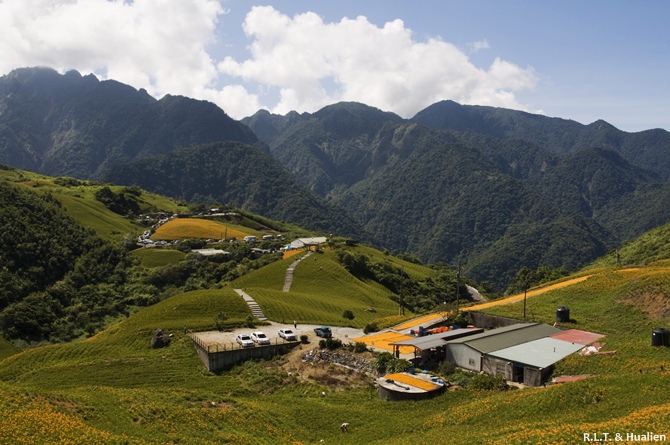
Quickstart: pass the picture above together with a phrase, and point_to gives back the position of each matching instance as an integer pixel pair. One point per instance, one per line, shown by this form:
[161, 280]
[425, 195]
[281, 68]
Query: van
[267, 237]
[250, 239]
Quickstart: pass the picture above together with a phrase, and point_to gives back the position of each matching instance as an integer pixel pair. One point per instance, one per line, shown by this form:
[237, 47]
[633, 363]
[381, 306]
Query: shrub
[487, 382]
[249, 321]
[220, 320]
[360, 347]
[330, 343]
[347, 314]
[303, 339]
[370, 327]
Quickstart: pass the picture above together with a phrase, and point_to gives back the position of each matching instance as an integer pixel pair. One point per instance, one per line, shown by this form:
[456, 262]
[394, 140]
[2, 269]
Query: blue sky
[580, 60]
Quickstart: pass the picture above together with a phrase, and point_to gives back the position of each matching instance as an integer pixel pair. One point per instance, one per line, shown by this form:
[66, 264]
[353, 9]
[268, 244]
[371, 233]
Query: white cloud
[480, 45]
[296, 63]
[380, 66]
[159, 45]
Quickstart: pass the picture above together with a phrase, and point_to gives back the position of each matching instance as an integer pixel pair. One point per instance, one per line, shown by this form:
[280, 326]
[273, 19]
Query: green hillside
[112, 388]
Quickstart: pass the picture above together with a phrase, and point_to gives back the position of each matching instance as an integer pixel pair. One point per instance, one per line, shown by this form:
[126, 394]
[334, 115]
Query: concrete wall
[490, 321]
[464, 356]
[217, 360]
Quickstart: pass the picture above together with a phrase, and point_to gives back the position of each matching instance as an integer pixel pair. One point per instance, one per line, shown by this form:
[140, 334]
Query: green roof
[505, 337]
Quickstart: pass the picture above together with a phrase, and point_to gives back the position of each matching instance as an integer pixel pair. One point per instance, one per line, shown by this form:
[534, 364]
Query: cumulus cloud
[380, 66]
[159, 45]
[295, 63]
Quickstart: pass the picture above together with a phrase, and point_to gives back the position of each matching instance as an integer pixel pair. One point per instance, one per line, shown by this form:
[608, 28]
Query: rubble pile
[349, 360]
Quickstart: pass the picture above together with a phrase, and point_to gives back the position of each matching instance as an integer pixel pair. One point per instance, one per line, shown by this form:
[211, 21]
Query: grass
[6, 348]
[113, 388]
[321, 290]
[154, 257]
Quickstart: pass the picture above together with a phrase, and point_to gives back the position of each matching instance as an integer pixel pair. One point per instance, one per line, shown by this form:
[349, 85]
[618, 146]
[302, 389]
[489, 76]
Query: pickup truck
[323, 331]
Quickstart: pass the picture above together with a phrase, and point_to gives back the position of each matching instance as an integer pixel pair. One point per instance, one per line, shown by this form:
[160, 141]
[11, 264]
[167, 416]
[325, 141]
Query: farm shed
[308, 243]
[529, 363]
[430, 346]
[469, 352]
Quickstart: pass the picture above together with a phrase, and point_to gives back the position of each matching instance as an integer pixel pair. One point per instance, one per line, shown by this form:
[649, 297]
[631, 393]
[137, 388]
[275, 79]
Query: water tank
[660, 337]
[562, 314]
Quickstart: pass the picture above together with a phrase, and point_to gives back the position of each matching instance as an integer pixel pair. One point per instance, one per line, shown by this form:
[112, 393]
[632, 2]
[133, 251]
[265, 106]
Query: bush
[330, 343]
[360, 347]
[485, 382]
[446, 368]
[370, 327]
[347, 314]
[303, 339]
[249, 321]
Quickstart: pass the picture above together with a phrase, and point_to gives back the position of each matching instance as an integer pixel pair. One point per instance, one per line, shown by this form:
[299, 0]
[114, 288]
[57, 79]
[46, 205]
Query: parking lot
[227, 338]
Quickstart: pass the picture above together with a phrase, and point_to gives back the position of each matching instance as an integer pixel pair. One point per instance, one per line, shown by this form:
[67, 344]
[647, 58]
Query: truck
[323, 331]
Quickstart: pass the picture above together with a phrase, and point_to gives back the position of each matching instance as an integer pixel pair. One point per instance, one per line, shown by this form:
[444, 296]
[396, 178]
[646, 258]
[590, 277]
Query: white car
[260, 338]
[245, 341]
[287, 334]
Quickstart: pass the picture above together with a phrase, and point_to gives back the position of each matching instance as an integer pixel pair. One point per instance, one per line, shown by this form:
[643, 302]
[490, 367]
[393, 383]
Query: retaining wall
[216, 359]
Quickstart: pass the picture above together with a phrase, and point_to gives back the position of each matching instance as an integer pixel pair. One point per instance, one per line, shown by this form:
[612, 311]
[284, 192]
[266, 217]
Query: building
[469, 352]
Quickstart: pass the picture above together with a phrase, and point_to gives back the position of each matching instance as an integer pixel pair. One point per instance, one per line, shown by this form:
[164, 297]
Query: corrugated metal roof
[576, 336]
[507, 336]
[436, 340]
[540, 353]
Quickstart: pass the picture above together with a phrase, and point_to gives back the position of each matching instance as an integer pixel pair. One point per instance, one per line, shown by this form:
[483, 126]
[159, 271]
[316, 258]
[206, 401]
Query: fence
[218, 356]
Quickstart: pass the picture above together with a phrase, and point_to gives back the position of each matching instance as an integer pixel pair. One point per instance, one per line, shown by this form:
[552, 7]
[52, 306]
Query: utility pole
[401, 309]
[458, 287]
[525, 290]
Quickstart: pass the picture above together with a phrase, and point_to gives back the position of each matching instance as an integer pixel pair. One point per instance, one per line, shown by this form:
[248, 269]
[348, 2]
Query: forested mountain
[494, 188]
[78, 126]
[646, 149]
[57, 279]
[482, 194]
[238, 174]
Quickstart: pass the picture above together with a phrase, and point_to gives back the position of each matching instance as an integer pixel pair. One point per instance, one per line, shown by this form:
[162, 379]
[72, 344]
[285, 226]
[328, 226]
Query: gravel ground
[272, 331]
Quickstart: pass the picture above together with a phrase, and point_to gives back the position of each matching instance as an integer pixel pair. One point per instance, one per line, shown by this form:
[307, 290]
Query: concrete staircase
[255, 308]
[289, 272]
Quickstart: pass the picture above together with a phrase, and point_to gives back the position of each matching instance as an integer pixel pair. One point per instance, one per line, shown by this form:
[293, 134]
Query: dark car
[323, 331]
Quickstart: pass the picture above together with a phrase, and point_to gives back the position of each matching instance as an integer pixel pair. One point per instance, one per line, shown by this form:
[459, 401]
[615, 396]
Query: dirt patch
[339, 369]
[654, 304]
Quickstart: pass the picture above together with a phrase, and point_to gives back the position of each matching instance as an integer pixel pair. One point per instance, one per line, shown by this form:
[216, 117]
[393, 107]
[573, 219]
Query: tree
[220, 320]
[348, 314]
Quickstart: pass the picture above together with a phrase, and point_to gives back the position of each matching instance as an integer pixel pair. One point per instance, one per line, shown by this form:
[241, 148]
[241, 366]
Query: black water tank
[562, 314]
[660, 337]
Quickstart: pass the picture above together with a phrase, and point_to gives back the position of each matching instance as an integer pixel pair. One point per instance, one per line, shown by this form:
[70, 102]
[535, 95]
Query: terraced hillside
[113, 388]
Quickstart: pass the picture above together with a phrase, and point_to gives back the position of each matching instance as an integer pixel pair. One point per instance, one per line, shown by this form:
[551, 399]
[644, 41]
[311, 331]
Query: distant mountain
[496, 189]
[481, 192]
[647, 149]
[78, 126]
[239, 174]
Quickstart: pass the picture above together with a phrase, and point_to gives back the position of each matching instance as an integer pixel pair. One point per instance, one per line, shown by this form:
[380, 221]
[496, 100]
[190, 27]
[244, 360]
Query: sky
[579, 60]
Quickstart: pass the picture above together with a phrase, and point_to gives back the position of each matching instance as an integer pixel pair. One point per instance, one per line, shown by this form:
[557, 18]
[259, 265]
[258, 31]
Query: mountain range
[491, 188]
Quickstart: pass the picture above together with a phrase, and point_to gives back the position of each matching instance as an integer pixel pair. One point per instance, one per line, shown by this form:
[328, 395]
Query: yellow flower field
[183, 228]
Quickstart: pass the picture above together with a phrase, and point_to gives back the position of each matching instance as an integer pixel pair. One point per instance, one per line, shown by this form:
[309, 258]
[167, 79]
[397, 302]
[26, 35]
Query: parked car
[260, 338]
[245, 341]
[287, 334]
[323, 331]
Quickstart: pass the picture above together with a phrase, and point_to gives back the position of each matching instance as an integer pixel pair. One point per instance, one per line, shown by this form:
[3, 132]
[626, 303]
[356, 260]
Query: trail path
[289, 272]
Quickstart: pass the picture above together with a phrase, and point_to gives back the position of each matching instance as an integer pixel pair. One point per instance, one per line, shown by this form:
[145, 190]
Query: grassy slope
[322, 289]
[6, 348]
[153, 257]
[114, 389]
[182, 228]
[160, 396]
